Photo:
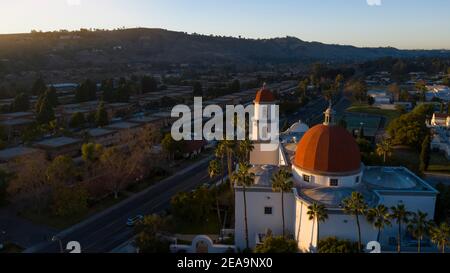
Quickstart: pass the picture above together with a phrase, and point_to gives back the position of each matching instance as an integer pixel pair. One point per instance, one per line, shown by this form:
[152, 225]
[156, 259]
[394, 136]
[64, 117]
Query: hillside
[56, 50]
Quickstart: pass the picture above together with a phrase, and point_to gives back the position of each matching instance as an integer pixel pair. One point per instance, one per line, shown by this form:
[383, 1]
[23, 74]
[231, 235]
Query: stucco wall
[258, 222]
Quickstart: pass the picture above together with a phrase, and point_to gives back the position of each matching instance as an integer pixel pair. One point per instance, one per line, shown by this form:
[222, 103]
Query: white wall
[305, 229]
[344, 181]
[258, 222]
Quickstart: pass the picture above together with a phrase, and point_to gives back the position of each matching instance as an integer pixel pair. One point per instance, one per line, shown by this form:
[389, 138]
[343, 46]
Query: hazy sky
[398, 23]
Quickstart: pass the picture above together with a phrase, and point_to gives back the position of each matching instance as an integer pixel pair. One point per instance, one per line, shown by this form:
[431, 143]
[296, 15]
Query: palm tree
[220, 153]
[384, 149]
[245, 148]
[317, 213]
[379, 218]
[214, 171]
[229, 148]
[356, 206]
[400, 215]
[244, 179]
[419, 226]
[281, 182]
[441, 236]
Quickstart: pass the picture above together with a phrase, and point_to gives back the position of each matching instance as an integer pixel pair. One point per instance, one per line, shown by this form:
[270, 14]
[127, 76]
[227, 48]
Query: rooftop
[58, 142]
[11, 153]
[123, 125]
[98, 132]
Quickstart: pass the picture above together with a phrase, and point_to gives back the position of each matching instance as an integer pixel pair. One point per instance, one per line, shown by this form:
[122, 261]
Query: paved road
[108, 230]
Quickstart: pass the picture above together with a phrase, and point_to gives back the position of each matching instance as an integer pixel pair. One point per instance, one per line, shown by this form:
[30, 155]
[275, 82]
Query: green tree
[409, 129]
[235, 86]
[317, 213]
[334, 245]
[39, 87]
[101, 116]
[220, 153]
[230, 151]
[356, 206]
[384, 149]
[244, 150]
[61, 171]
[395, 90]
[401, 216]
[148, 239]
[440, 235]
[107, 87]
[77, 120]
[44, 111]
[214, 170]
[281, 182]
[425, 154]
[243, 178]
[149, 84]
[69, 201]
[419, 226]
[278, 244]
[91, 153]
[124, 93]
[87, 91]
[21, 103]
[52, 96]
[379, 218]
[169, 146]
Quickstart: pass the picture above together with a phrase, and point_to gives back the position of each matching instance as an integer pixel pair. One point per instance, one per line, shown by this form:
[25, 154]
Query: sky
[406, 24]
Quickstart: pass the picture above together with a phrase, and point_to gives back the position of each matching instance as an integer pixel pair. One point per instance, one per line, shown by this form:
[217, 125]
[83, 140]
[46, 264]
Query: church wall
[344, 226]
[344, 181]
[413, 203]
[258, 221]
[305, 229]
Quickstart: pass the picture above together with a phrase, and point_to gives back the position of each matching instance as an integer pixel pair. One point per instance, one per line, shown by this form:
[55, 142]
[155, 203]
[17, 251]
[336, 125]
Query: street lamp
[56, 238]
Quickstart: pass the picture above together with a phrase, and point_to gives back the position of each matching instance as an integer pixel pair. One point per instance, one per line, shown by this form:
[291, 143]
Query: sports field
[370, 123]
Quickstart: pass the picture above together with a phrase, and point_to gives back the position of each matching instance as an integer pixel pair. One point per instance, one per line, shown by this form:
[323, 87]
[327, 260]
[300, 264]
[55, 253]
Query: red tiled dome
[328, 149]
[264, 96]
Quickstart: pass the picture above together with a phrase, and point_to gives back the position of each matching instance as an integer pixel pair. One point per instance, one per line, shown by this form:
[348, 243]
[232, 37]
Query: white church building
[326, 167]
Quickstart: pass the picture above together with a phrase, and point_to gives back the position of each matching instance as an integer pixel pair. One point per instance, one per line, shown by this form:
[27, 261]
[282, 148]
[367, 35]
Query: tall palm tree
[281, 182]
[400, 215]
[214, 171]
[419, 226]
[230, 149]
[356, 206]
[440, 235]
[244, 179]
[317, 213]
[221, 153]
[384, 149]
[245, 148]
[379, 218]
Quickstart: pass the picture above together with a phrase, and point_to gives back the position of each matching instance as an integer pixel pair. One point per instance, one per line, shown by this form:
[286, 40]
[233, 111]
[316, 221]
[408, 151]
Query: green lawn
[364, 108]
